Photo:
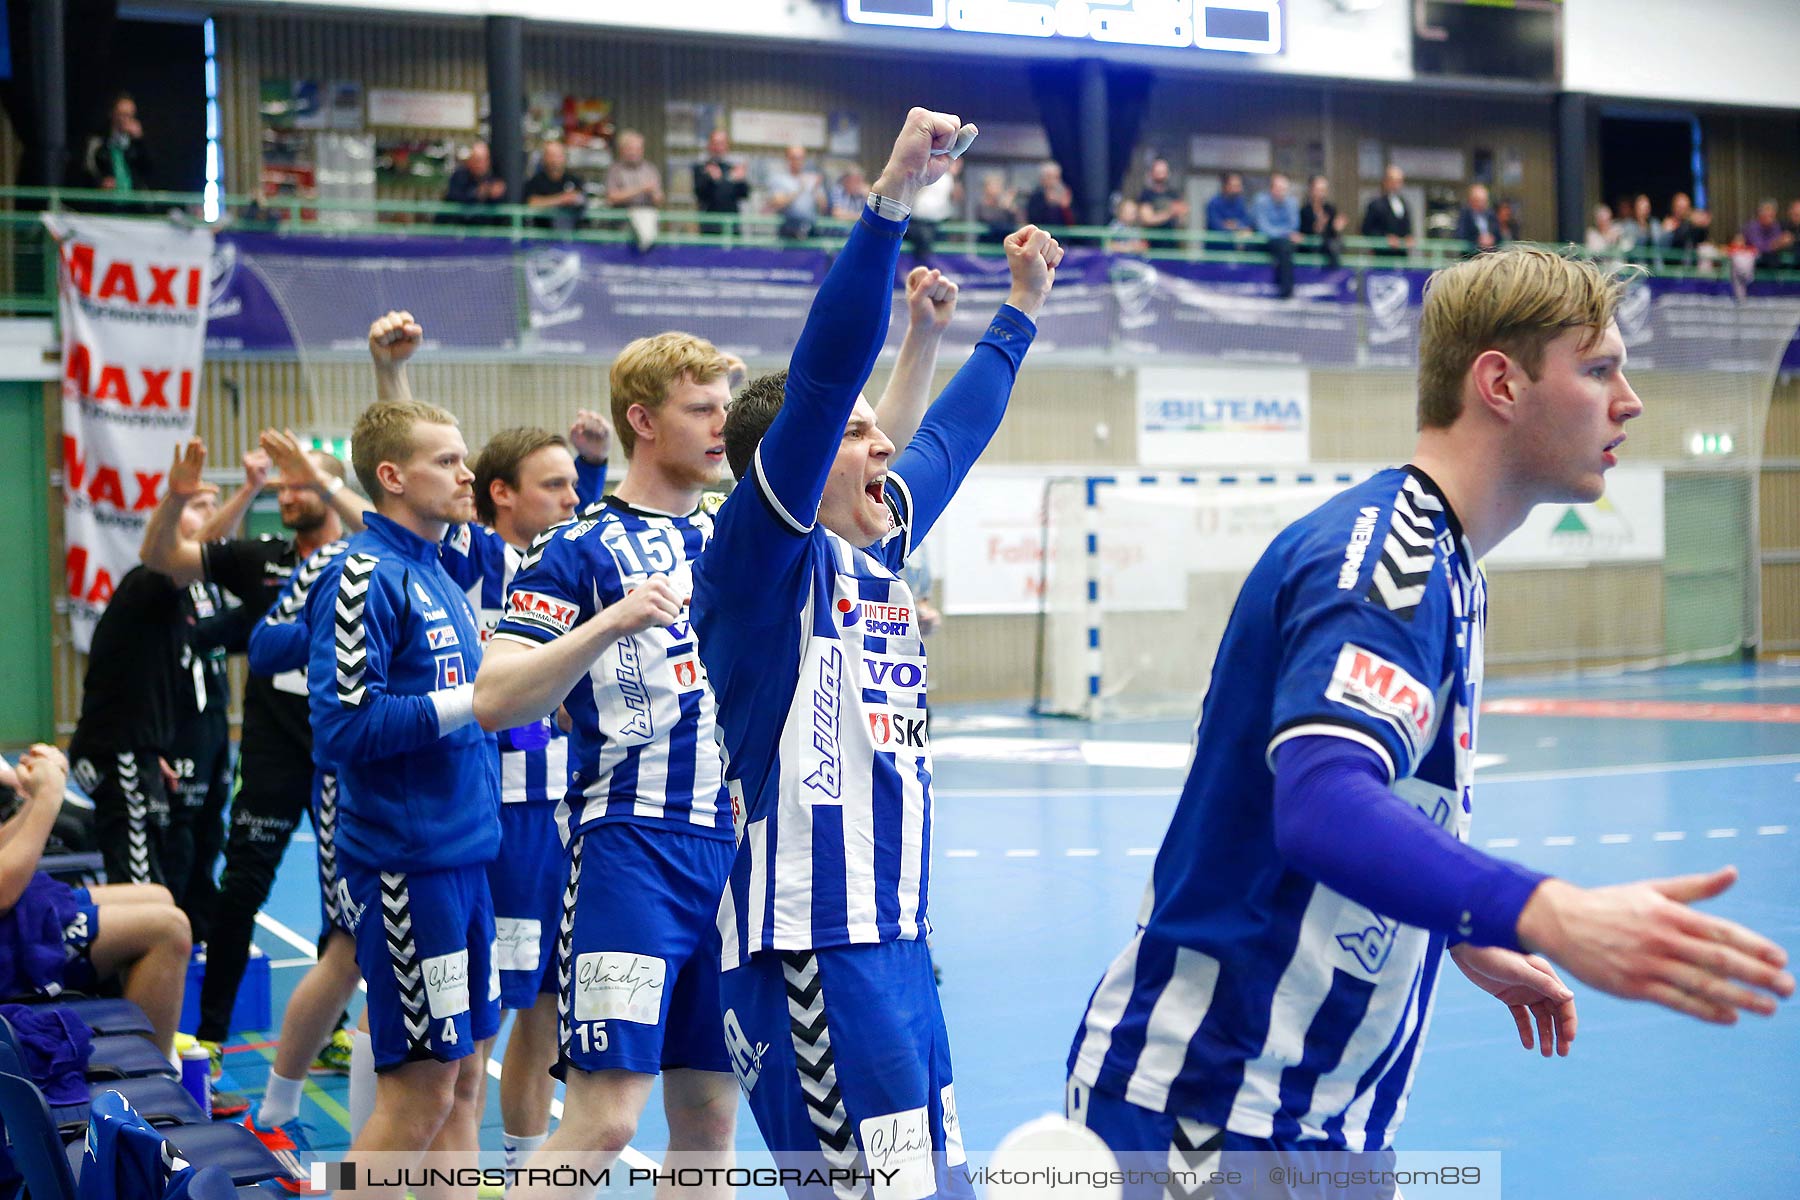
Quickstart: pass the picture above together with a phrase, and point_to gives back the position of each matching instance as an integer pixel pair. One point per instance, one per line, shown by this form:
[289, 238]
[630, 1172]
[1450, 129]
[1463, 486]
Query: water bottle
[196, 1076]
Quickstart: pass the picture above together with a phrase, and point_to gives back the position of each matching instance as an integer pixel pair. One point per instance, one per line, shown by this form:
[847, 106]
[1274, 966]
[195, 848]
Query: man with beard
[274, 770]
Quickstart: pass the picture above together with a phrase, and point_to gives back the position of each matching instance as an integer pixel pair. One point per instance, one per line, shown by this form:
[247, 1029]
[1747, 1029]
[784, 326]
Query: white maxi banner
[133, 297]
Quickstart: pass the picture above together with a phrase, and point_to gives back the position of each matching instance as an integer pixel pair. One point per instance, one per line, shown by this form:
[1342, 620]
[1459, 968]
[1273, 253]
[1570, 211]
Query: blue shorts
[845, 1061]
[80, 927]
[1233, 1166]
[638, 951]
[333, 899]
[424, 944]
[527, 884]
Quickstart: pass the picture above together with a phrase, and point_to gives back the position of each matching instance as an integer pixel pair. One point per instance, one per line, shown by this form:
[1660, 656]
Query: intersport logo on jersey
[134, 294]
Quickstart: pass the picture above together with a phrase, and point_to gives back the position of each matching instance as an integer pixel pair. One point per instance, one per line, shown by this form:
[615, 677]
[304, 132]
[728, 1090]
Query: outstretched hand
[185, 471]
[1642, 941]
[1530, 987]
[1032, 256]
[394, 338]
[930, 299]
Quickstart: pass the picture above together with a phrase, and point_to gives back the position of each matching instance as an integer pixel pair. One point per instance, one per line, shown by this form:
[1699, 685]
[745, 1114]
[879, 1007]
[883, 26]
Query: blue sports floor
[1044, 843]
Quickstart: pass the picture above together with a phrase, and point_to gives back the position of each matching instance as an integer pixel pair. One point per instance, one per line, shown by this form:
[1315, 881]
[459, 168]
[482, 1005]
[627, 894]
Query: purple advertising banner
[275, 294]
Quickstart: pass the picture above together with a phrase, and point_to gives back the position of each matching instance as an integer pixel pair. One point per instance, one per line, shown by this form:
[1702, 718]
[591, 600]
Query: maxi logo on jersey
[1365, 680]
[881, 620]
[548, 613]
[827, 775]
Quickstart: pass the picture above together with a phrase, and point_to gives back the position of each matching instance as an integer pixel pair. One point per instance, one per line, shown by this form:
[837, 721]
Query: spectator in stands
[475, 186]
[1506, 216]
[931, 208]
[633, 181]
[720, 182]
[62, 937]
[1227, 212]
[849, 194]
[116, 160]
[1476, 224]
[1052, 204]
[1387, 215]
[1603, 235]
[1276, 218]
[1684, 229]
[1159, 204]
[1791, 223]
[997, 208]
[1124, 234]
[556, 189]
[1635, 230]
[1319, 218]
[797, 195]
[1764, 234]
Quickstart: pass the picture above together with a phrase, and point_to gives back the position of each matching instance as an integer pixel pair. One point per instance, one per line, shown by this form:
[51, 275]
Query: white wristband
[455, 707]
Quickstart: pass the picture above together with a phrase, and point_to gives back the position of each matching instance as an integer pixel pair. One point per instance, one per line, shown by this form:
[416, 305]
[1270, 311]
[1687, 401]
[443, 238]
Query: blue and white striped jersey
[827, 717]
[642, 749]
[1252, 997]
[534, 759]
[813, 646]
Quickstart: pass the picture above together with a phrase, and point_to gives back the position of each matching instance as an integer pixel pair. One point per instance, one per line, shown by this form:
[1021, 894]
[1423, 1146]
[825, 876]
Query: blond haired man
[1276, 992]
[597, 614]
[394, 647]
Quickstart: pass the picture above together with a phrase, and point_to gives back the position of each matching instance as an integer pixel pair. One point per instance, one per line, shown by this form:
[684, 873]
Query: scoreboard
[1245, 26]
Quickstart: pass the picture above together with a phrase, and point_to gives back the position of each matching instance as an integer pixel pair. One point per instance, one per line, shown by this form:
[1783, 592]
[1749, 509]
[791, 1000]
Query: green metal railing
[28, 275]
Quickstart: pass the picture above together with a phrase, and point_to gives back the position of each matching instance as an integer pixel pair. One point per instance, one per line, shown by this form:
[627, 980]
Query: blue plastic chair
[162, 1101]
[118, 1057]
[110, 1016]
[36, 1149]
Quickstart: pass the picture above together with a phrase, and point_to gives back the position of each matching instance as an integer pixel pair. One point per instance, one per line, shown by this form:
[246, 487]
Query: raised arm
[163, 549]
[930, 304]
[963, 420]
[296, 465]
[591, 435]
[225, 522]
[392, 340]
[846, 326]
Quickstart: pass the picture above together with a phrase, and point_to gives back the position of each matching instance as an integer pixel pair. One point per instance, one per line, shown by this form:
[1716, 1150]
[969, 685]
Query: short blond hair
[1516, 300]
[384, 433]
[647, 368]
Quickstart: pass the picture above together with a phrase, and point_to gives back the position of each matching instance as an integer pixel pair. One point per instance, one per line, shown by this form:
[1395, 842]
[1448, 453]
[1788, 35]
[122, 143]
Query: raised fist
[393, 338]
[1032, 256]
[930, 299]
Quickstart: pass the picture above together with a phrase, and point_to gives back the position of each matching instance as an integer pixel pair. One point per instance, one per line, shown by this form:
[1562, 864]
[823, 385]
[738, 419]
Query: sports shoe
[229, 1104]
[334, 1059]
[288, 1152]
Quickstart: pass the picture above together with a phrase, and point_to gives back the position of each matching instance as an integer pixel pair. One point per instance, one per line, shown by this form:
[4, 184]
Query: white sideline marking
[629, 1154]
[962, 854]
[1668, 835]
[1082, 852]
[1614, 839]
[1502, 843]
[1721, 833]
[1021, 854]
[1559, 841]
[1770, 830]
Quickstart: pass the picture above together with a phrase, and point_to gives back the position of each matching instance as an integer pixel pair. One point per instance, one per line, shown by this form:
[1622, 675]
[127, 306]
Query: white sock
[362, 1081]
[519, 1148]
[280, 1102]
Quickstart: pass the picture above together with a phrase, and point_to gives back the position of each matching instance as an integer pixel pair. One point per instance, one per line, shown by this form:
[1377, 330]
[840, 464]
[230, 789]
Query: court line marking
[1502, 843]
[1721, 833]
[1614, 839]
[1021, 854]
[1559, 841]
[1770, 830]
[630, 1154]
[1481, 780]
[1669, 835]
